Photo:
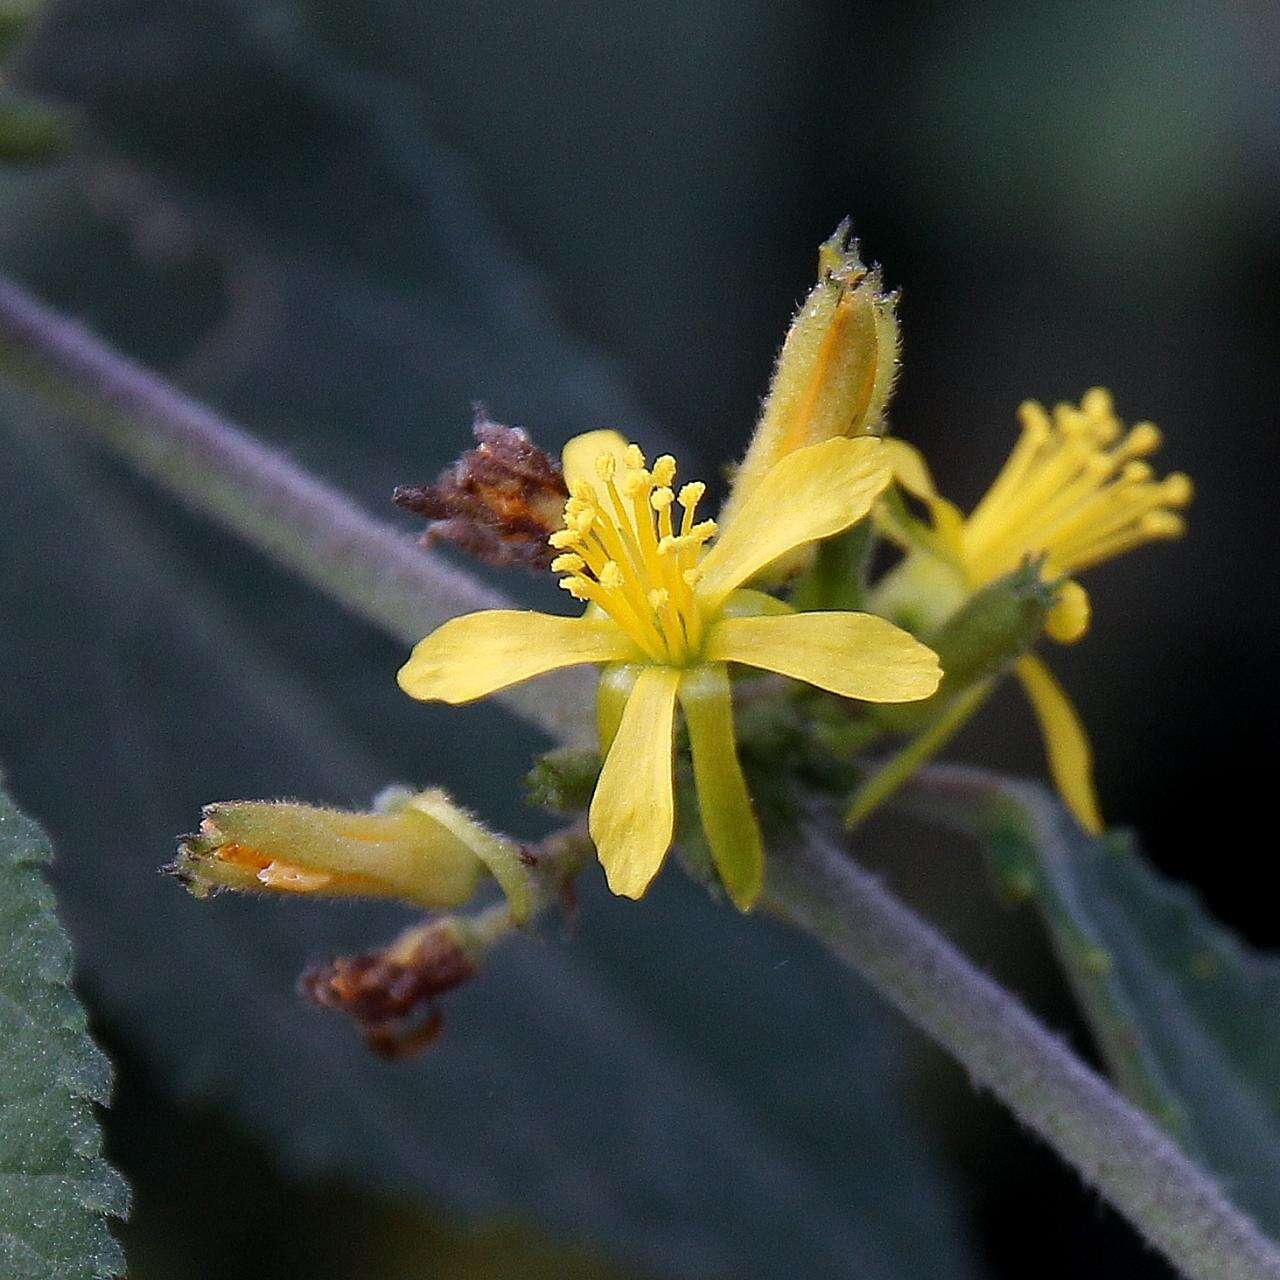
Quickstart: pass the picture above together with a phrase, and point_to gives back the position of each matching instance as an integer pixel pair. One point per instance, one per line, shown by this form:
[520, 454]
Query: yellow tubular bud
[426, 851]
[836, 368]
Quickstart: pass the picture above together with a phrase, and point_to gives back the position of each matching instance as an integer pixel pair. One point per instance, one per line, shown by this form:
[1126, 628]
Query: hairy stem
[371, 569]
[1115, 1147]
[259, 494]
[988, 807]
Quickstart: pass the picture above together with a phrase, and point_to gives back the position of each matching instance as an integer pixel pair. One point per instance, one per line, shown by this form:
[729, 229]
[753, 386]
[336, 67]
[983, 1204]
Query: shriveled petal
[632, 817]
[579, 454]
[478, 653]
[727, 818]
[856, 655]
[812, 493]
[1070, 756]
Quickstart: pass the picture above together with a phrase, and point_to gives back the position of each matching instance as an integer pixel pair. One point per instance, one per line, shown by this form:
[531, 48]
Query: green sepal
[995, 626]
[837, 577]
[562, 781]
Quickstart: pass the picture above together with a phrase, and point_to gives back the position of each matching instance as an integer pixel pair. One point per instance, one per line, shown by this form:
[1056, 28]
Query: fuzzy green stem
[1114, 1147]
[259, 494]
[989, 808]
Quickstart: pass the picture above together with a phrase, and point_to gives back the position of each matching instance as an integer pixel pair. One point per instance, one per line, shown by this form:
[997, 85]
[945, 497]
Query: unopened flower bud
[836, 368]
[423, 850]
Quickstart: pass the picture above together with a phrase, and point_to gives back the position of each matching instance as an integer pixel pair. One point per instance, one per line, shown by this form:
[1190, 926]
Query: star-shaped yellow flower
[666, 614]
[1075, 491]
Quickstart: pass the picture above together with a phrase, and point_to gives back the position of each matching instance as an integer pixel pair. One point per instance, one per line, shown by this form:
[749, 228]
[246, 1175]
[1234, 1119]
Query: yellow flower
[665, 615]
[1075, 491]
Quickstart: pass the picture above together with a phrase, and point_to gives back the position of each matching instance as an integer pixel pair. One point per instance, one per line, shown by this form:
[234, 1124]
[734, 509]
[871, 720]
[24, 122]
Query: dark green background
[343, 225]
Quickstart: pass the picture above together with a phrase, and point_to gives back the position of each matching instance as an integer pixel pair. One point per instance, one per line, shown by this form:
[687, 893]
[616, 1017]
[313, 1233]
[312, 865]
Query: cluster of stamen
[620, 550]
[1075, 488]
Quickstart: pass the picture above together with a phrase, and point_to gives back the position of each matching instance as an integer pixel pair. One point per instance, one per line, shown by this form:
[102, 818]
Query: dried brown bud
[499, 502]
[390, 993]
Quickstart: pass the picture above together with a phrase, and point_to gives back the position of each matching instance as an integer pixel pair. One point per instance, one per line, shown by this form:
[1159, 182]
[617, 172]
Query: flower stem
[1114, 1146]
[259, 494]
[371, 569]
[900, 767]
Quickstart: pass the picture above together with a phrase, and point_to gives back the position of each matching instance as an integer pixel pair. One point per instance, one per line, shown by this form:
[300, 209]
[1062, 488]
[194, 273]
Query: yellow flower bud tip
[294, 848]
[1069, 618]
[1077, 488]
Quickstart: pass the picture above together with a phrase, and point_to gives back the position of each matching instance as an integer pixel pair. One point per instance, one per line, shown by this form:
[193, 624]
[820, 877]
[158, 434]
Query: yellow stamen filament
[621, 550]
[1075, 490]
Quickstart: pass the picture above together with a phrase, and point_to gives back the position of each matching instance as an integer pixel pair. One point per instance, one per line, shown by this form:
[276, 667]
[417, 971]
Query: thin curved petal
[727, 818]
[1070, 756]
[579, 454]
[478, 653]
[632, 816]
[856, 655]
[812, 493]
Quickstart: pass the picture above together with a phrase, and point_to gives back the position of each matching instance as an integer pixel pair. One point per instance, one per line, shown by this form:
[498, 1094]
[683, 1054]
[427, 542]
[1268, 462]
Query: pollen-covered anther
[691, 494]
[1077, 488]
[623, 550]
[1163, 524]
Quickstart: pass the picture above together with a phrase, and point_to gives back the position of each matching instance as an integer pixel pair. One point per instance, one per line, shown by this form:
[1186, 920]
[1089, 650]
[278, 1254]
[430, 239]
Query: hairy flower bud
[836, 368]
[425, 851]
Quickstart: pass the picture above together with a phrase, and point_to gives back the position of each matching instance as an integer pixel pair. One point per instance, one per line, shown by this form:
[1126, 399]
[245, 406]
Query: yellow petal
[910, 469]
[1070, 756]
[856, 655]
[725, 807]
[812, 493]
[579, 454]
[632, 816]
[473, 655]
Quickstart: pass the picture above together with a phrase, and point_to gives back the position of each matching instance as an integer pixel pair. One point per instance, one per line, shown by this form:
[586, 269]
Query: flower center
[1074, 487]
[620, 550]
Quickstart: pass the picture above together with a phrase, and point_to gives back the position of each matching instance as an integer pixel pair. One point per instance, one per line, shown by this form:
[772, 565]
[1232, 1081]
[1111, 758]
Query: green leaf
[56, 1190]
[1186, 1015]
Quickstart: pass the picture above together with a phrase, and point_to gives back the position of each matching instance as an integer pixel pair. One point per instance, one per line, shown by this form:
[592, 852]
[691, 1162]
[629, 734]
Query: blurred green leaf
[30, 132]
[1186, 1015]
[56, 1190]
